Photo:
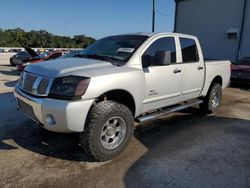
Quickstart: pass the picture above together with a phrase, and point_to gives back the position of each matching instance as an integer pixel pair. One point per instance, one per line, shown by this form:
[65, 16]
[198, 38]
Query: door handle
[200, 68]
[176, 71]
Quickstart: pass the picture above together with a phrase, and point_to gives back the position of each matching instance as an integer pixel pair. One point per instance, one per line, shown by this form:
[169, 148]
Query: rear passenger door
[193, 69]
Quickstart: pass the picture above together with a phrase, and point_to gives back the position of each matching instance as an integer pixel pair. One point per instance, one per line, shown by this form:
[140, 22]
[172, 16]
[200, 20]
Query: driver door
[162, 82]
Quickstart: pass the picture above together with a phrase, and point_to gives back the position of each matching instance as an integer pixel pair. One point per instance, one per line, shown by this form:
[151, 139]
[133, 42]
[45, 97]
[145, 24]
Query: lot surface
[182, 150]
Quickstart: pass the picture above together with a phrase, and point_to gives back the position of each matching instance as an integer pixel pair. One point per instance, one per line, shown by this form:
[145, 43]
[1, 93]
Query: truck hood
[72, 66]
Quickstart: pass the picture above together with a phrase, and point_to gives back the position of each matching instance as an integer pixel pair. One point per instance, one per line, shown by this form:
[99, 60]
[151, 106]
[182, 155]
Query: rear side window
[189, 50]
[162, 44]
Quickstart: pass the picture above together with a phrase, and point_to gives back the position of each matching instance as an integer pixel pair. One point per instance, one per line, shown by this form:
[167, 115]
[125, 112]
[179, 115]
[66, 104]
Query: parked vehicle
[14, 50]
[36, 58]
[71, 54]
[241, 71]
[19, 58]
[119, 80]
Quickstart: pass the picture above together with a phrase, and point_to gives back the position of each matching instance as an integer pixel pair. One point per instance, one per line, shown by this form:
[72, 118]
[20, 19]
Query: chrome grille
[35, 84]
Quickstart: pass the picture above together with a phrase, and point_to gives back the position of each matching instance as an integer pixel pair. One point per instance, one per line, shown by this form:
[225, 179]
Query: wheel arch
[217, 79]
[208, 84]
[119, 95]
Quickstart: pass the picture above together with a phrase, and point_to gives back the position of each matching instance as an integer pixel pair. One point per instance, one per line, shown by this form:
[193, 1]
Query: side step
[166, 111]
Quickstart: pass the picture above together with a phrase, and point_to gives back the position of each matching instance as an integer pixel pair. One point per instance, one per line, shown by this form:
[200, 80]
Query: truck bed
[220, 68]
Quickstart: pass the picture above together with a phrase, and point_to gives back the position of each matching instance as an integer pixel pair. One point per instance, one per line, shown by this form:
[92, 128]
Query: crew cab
[116, 81]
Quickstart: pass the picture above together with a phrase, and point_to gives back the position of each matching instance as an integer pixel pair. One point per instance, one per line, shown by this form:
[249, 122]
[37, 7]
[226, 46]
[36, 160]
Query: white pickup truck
[116, 81]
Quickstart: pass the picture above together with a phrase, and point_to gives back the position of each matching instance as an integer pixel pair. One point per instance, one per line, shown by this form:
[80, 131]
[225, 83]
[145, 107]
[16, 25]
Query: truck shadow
[191, 150]
[33, 138]
[18, 131]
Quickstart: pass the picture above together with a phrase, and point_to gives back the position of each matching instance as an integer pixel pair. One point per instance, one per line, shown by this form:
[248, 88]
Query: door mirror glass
[146, 61]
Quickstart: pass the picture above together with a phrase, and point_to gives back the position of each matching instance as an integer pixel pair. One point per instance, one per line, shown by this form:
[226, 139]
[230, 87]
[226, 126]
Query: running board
[166, 111]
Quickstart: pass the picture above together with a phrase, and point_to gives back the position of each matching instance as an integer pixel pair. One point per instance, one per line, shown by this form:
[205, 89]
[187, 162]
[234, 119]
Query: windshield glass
[119, 48]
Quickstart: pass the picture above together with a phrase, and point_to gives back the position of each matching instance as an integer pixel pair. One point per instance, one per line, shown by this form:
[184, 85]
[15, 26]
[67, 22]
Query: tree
[42, 39]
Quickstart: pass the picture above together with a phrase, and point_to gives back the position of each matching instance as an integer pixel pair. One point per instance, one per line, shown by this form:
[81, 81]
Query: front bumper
[69, 116]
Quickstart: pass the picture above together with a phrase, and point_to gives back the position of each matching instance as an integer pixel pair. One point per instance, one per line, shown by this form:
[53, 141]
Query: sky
[95, 18]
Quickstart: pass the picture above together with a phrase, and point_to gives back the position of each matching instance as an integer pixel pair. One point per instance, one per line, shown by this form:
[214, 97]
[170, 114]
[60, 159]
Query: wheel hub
[215, 99]
[113, 133]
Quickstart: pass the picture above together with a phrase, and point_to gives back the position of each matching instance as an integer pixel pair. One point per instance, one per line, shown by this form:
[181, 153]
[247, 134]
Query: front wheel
[108, 129]
[213, 99]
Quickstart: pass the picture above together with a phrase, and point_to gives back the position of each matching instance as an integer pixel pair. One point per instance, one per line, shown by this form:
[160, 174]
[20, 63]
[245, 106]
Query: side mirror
[162, 58]
[146, 61]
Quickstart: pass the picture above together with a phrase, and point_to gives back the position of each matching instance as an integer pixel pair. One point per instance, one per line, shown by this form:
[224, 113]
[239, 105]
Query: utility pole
[153, 17]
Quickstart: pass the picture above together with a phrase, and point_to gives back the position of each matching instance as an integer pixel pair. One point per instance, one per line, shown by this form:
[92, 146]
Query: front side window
[189, 50]
[166, 44]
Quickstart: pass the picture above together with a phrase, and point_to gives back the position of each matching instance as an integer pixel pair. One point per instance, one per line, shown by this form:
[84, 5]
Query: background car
[19, 58]
[71, 54]
[14, 50]
[240, 71]
[36, 58]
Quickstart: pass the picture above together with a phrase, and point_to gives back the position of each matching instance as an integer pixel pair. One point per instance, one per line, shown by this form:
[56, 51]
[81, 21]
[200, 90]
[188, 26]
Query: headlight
[70, 87]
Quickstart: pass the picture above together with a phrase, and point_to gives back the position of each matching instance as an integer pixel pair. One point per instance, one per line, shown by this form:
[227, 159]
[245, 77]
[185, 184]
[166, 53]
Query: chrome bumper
[69, 116]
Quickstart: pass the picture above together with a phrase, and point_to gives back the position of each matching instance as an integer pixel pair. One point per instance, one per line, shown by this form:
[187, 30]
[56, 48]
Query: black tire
[11, 63]
[210, 104]
[99, 116]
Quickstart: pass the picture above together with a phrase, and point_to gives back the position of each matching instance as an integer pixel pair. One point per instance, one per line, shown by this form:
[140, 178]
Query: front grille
[35, 84]
[27, 110]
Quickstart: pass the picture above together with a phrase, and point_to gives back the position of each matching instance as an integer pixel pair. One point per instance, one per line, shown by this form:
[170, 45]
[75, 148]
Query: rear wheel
[108, 129]
[213, 99]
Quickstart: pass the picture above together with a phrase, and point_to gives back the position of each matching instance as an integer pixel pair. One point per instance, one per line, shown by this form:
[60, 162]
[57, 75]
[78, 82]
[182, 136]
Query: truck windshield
[115, 49]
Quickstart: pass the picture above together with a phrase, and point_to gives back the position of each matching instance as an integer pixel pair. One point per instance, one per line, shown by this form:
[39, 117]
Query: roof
[161, 33]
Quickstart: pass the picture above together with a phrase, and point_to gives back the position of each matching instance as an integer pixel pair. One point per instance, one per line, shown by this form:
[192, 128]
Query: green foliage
[41, 39]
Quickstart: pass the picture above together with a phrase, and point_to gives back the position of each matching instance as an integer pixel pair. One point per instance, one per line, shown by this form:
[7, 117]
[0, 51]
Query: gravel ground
[181, 150]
